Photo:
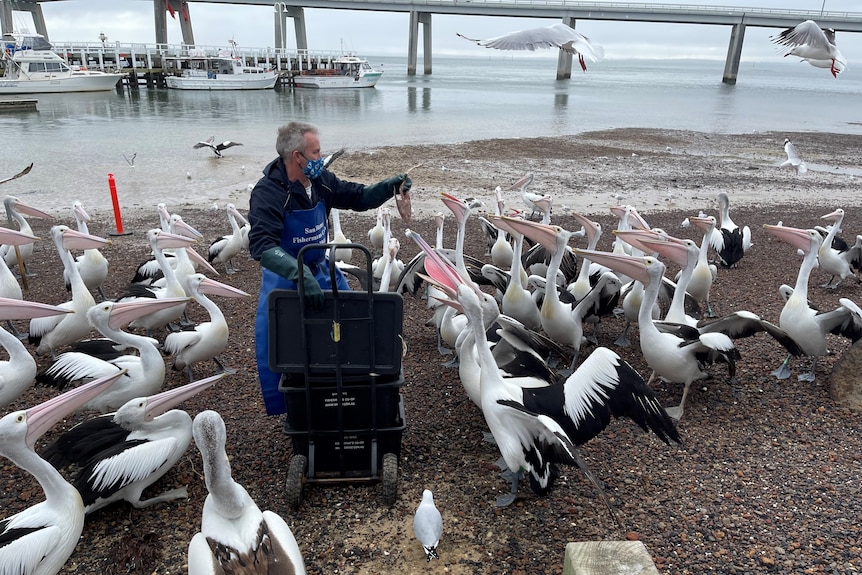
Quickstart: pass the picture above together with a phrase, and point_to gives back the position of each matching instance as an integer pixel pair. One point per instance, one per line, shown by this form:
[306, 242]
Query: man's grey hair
[292, 137]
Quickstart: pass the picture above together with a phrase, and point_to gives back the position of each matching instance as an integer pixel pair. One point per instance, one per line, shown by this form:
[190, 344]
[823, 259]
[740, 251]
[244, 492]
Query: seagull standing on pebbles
[428, 525]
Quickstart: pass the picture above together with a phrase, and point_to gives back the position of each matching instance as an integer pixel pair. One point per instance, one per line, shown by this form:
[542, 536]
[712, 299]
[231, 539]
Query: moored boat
[30, 66]
[347, 71]
[223, 71]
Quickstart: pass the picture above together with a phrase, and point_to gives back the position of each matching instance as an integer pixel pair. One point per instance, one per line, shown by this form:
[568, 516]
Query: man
[288, 209]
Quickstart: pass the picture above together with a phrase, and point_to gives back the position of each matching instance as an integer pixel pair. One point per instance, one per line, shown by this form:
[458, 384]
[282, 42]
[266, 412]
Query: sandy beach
[766, 479]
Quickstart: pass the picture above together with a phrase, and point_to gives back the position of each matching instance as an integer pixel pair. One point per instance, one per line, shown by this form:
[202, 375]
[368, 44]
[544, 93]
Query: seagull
[216, 148]
[428, 525]
[557, 35]
[793, 160]
[813, 44]
[130, 159]
[23, 172]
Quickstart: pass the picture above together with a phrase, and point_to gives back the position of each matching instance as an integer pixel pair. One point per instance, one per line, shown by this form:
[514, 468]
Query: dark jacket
[273, 194]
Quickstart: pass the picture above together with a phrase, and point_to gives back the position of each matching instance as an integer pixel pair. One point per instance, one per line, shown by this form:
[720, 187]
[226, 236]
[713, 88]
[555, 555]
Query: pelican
[9, 286]
[92, 266]
[15, 210]
[731, 242]
[223, 250]
[677, 356]
[54, 332]
[342, 255]
[528, 197]
[208, 339]
[145, 373]
[812, 43]
[40, 539]
[375, 234]
[172, 289]
[119, 455]
[517, 301]
[18, 373]
[832, 261]
[805, 325]
[703, 273]
[216, 148]
[793, 160]
[235, 536]
[557, 35]
[537, 427]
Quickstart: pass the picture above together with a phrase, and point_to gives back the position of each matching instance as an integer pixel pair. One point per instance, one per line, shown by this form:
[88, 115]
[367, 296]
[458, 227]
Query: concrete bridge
[421, 11]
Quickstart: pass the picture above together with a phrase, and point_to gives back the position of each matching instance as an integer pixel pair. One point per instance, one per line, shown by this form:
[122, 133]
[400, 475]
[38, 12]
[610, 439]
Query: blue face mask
[313, 169]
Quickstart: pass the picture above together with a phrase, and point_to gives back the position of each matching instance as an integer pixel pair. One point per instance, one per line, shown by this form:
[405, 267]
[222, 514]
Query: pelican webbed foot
[509, 498]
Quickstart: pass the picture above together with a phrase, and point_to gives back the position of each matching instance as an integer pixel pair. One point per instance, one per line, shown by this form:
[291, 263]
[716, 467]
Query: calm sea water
[75, 140]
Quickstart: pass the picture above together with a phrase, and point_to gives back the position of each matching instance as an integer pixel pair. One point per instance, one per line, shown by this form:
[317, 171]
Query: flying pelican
[119, 455]
[235, 536]
[731, 242]
[793, 160]
[557, 35]
[812, 43]
[428, 525]
[18, 373]
[92, 266]
[677, 356]
[54, 332]
[223, 250]
[216, 148]
[805, 325]
[145, 372]
[40, 539]
[208, 339]
[15, 210]
[832, 261]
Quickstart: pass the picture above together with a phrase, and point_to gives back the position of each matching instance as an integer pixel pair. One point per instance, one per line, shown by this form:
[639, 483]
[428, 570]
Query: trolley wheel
[295, 480]
[390, 478]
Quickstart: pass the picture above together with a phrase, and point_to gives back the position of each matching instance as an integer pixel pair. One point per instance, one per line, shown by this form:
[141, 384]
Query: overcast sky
[384, 33]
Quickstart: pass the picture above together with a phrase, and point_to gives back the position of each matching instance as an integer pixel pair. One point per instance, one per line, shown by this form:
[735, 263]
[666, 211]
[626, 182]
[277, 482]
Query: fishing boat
[223, 71]
[30, 66]
[346, 71]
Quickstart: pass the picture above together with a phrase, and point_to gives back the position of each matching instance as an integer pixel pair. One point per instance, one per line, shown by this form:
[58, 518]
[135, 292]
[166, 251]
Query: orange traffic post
[118, 217]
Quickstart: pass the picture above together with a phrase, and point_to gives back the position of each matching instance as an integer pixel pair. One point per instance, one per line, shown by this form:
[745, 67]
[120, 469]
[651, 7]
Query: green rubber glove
[282, 263]
[375, 195]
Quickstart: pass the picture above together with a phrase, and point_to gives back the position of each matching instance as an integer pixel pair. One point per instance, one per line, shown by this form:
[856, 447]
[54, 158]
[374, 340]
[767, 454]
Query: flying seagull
[216, 148]
[130, 159]
[23, 172]
[557, 35]
[813, 44]
[793, 160]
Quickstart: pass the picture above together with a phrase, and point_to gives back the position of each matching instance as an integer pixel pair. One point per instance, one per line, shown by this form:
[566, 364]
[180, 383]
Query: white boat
[30, 66]
[347, 71]
[224, 71]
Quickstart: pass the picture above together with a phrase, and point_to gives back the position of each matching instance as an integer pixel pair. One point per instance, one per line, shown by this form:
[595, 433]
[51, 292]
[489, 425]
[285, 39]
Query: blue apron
[301, 228]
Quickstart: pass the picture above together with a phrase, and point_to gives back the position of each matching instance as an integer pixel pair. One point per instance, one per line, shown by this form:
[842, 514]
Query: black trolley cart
[341, 378]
